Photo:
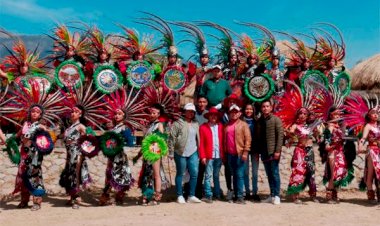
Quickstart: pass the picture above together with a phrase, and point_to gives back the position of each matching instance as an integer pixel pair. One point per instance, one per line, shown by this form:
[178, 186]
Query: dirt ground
[352, 210]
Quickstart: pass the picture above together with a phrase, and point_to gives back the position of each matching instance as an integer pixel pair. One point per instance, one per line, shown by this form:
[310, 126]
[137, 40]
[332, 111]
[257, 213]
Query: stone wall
[53, 165]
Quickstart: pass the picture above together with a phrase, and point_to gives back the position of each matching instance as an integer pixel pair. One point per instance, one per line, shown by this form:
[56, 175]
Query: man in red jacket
[211, 152]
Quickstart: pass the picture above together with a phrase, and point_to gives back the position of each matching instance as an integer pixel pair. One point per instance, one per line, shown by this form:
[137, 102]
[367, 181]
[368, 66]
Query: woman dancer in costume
[127, 114]
[337, 172]
[37, 107]
[86, 106]
[361, 112]
[301, 133]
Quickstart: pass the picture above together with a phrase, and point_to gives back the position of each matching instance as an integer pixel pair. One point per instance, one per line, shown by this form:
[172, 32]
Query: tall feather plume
[157, 23]
[226, 42]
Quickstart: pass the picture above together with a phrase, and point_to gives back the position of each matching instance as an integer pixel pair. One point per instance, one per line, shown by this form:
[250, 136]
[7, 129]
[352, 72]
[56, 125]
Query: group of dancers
[120, 83]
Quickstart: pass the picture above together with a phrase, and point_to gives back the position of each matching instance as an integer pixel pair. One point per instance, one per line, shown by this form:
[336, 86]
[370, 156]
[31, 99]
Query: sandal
[144, 201]
[75, 204]
[157, 198]
[35, 207]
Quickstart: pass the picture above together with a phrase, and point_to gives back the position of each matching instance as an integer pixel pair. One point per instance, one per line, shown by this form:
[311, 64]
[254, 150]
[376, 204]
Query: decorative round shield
[342, 82]
[153, 147]
[174, 78]
[69, 74]
[259, 88]
[139, 73]
[44, 82]
[42, 141]
[89, 145]
[111, 143]
[313, 78]
[107, 79]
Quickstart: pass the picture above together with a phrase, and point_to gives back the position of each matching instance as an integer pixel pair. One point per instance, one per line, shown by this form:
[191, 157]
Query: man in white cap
[238, 144]
[183, 145]
[216, 89]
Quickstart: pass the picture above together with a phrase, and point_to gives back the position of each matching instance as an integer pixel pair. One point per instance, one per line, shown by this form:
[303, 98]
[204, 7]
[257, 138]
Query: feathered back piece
[226, 44]
[356, 108]
[300, 52]
[197, 38]
[64, 40]
[325, 99]
[292, 100]
[160, 25]
[20, 56]
[87, 96]
[52, 105]
[249, 48]
[7, 111]
[131, 103]
[328, 48]
[166, 98]
[131, 43]
[99, 43]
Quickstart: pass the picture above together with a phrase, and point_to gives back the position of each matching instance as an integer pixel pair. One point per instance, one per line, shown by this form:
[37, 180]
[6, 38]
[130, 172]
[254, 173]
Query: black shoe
[207, 200]
[240, 201]
[256, 198]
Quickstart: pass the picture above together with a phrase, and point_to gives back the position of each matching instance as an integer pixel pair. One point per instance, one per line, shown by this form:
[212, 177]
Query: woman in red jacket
[211, 152]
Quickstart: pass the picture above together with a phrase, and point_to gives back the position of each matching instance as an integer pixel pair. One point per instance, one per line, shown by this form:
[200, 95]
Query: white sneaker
[193, 199]
[277, 200]
[181, 200]
[268, 200]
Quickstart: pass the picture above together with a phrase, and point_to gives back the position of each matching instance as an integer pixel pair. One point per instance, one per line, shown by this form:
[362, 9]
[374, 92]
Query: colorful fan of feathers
[131, 103]
[25, 97]
[356, 107]
[167, 99]
[91, 100]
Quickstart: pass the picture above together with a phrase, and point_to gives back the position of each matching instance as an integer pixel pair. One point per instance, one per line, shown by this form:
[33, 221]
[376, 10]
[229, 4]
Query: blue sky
[359, 21]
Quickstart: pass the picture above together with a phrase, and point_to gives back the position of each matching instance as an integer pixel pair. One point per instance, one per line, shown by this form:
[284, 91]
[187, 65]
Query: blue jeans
[273, 174]
[237, 167]
[255, 172]
[212, 170]
[182, 163]
[246, 176]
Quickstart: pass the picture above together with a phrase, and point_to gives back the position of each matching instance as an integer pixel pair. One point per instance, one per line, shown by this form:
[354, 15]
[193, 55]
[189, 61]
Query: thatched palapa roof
[366, 75]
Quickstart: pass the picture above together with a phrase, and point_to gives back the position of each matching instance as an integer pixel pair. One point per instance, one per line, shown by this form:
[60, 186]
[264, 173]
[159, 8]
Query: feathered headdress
[160, 25]
[249, 49]
[356, 108]
[65, 41]
[90, 100]
[132, 43]
[196, 33]
[99, 44]
[292, 101]
[328, 48]
[131, 103]
[300, 52]
[226, 46]
[164, 97]
[52, 105]
[326, 99]
[268, 44]
[20, 56]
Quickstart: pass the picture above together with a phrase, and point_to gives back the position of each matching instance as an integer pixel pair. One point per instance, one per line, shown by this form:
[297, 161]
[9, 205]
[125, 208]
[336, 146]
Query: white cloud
[30, 10]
